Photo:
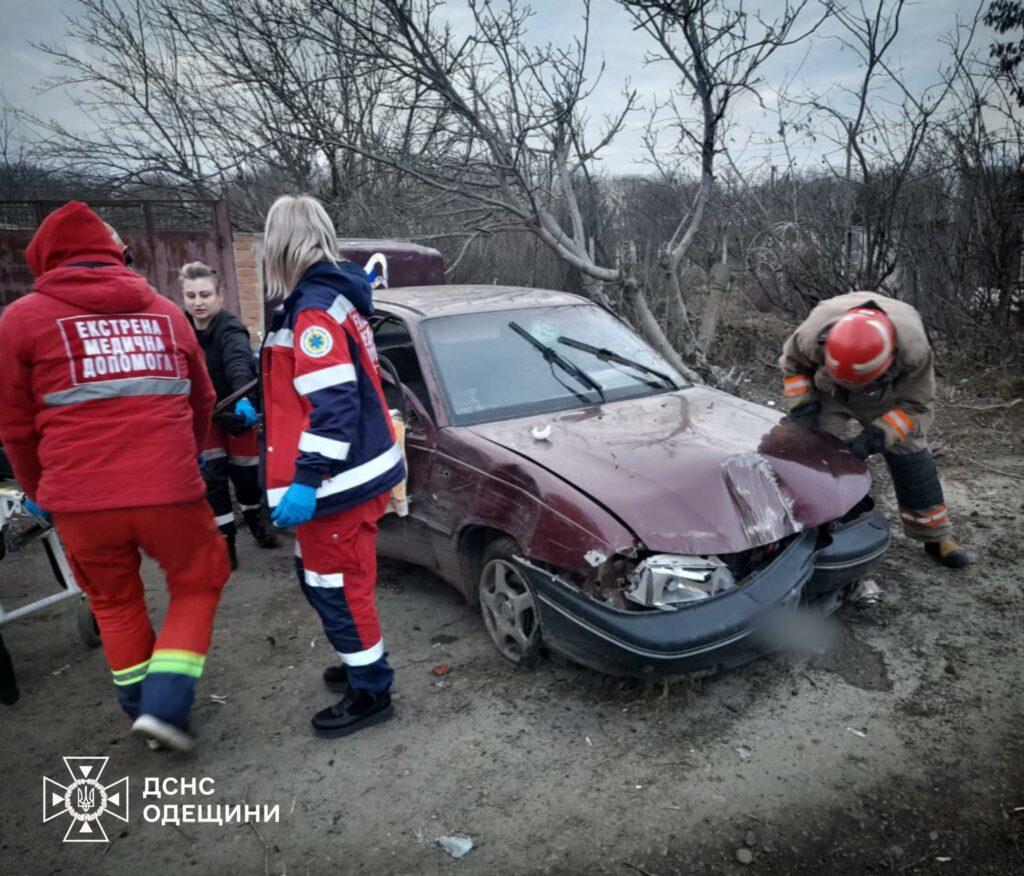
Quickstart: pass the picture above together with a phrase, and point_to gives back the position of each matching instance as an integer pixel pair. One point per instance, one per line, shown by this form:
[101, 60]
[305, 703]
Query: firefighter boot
[232, 553]
[264, 536]
[947, 552]
[358, 709]
[336, 678]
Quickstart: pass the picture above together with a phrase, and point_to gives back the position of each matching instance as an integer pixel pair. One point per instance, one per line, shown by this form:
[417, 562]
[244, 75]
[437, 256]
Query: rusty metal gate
[162, 236]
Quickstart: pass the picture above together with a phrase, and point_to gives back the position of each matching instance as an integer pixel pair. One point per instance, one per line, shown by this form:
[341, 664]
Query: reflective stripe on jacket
[904, 396]
[327, 421]
[104, 396]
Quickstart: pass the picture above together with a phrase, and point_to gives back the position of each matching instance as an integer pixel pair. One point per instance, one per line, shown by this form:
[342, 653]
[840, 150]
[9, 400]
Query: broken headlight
[665, 580]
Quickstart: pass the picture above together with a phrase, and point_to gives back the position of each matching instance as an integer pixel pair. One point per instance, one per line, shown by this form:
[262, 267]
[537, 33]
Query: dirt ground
[901, 751]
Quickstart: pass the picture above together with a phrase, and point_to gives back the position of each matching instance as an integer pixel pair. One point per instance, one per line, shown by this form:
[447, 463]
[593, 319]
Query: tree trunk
[719, 281]
[649, 327]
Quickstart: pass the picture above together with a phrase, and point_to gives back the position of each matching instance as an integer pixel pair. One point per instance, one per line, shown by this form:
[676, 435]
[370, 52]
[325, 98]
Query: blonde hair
[297, 235]
[198, 271]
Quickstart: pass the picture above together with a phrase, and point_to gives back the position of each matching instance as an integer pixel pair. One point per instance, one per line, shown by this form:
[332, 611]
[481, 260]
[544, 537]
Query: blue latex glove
[33, 508]
[296, 507]
[244, 409]
[201, 461]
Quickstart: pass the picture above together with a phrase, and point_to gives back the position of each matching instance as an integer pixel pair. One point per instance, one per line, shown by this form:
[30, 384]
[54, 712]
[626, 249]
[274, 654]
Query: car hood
[694, 471]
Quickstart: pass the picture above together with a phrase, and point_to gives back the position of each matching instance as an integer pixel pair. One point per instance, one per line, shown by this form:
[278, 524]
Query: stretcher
[12, 506]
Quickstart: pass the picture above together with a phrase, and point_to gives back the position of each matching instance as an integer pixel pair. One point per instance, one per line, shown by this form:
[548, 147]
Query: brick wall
[248, 268]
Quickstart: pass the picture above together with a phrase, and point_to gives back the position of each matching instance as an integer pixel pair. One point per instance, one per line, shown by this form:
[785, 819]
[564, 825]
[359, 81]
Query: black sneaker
[232, 553]
[264, 535]
[358, 709]
[265, 538]
[336, 678]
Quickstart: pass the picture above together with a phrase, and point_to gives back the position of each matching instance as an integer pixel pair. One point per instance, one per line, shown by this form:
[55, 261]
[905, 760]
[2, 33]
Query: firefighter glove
[806, 414]
[871, 440]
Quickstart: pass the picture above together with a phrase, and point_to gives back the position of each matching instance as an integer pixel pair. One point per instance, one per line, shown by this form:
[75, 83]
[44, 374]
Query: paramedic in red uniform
[332, 457]
[104, 403]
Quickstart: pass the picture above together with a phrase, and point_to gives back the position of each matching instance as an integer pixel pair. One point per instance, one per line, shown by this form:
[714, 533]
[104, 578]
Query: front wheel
[508, 605]
[85, 622]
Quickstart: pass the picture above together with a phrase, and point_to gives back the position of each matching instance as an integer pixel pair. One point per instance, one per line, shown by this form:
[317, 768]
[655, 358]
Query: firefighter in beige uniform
[866, 357]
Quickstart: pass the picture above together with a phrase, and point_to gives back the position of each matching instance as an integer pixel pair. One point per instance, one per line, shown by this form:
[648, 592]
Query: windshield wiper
[553, 357]
[605, 353]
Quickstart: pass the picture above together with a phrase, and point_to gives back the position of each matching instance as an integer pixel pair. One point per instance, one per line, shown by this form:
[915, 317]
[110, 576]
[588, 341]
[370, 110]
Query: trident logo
[86, 799]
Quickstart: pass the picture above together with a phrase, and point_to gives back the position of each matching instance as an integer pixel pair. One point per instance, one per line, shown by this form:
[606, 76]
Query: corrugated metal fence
[162, 236]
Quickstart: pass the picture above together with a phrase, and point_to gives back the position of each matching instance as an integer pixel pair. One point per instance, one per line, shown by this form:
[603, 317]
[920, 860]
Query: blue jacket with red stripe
[327, 422]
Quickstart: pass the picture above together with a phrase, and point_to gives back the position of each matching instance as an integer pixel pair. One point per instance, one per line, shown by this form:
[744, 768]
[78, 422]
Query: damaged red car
[571, 483]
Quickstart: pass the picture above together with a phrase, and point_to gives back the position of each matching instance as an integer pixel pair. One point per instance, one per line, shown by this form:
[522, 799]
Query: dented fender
[476, 484]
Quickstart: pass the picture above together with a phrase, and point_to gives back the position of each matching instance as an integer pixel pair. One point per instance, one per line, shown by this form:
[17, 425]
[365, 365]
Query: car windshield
[488, 369]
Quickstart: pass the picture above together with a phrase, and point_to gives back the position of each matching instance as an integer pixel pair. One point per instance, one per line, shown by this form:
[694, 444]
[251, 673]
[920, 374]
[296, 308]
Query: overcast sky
[819, 64]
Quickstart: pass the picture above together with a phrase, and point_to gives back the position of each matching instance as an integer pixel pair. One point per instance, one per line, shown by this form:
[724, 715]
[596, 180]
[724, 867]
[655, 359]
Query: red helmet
[860, 347]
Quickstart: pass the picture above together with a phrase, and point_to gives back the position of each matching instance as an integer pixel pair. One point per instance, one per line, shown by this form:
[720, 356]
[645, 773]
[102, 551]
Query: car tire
[85, 623]
[508, 604]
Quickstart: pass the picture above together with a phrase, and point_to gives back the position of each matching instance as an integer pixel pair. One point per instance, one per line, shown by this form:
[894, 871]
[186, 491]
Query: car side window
[394, 343]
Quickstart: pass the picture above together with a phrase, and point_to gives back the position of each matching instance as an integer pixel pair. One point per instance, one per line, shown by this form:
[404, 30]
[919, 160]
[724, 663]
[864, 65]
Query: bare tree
[1007, 17]
[222, 97]
[879, 125]
[965, 265]
[512, 115]
[392, 116]
[717, 50]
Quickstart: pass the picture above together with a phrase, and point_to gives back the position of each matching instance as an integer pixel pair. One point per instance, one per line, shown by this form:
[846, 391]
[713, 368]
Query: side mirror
[417, 420]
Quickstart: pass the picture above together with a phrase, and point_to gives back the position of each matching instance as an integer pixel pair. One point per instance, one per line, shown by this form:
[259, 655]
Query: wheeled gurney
[12, 506]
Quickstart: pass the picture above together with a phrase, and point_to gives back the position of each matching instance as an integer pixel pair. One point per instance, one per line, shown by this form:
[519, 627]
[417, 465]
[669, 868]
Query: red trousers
[336, 562]
[104, 551]
[242, 449]
[232, 459]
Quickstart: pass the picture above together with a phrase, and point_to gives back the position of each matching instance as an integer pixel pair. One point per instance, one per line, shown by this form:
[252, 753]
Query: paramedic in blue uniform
[332, 455]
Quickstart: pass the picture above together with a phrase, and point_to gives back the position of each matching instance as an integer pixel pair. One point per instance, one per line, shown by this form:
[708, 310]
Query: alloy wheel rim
[509, 610]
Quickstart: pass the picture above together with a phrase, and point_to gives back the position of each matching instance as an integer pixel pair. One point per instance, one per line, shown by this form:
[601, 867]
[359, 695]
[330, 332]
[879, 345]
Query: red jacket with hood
[104, 395]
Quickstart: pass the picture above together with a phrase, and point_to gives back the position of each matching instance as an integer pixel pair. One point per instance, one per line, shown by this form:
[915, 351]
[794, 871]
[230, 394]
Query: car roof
[428, 301]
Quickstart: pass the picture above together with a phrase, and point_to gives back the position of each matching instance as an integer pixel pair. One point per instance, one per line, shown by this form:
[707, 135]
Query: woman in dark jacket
[231, 452]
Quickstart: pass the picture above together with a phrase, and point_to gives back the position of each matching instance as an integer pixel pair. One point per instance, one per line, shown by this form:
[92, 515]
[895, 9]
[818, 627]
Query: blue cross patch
[316, 342]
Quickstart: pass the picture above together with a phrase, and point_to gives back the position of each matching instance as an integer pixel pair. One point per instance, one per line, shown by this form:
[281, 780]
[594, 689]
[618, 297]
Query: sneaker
[358, 709]
[336, 678]
[264, 535]
[947, 552]
[232, 553]
[163, 733]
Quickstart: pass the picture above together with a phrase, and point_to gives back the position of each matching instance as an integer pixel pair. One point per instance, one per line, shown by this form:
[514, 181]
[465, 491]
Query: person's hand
[296, 507]
[868, 442]
[246, 411]
[33, 508]
[806, 414]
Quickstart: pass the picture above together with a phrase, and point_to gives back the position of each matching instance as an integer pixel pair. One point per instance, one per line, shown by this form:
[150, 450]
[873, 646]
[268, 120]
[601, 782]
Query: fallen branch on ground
[1005, 474]
[981, 408]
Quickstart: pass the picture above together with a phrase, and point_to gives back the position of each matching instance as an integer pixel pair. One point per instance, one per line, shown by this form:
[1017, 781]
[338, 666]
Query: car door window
[394, 343]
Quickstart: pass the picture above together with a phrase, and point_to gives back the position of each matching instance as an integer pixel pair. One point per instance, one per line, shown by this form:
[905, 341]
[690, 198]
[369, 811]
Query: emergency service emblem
[316, 342]
[85, 799]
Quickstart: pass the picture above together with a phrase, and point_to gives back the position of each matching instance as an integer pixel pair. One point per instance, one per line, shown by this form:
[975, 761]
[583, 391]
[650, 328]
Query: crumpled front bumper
[711, 636]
